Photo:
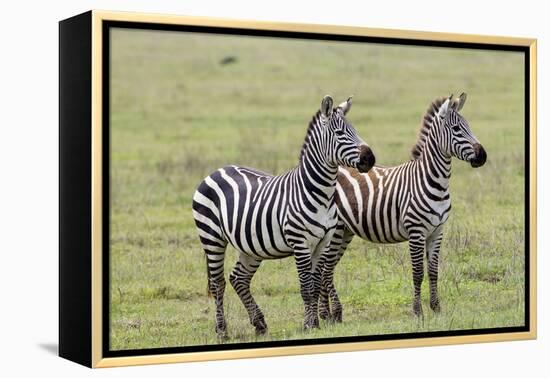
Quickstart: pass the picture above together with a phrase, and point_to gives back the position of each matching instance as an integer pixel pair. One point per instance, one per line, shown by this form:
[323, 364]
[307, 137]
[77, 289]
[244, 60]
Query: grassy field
[183, 105]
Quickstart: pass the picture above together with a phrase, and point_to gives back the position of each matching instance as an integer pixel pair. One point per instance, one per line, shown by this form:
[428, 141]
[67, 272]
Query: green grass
[177, 114]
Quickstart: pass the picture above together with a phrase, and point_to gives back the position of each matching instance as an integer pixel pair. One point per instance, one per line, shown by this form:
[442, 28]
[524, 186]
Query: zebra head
[343, 145]
[459, 141]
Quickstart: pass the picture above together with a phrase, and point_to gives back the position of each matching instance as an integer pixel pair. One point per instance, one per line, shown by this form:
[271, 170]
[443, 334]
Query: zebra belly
[388, 231]
[263, 247]
[371, 206]
[396, 238]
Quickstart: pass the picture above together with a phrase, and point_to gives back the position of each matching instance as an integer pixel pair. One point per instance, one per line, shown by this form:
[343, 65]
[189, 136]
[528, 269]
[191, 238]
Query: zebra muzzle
[480, 156]
[366, 159]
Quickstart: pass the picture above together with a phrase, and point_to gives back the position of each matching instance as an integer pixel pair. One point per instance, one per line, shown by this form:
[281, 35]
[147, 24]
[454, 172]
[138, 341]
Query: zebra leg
[214, 243]
[342, 239]
[337, 308]
[302, 257]
[326, 271]
[432, 254]
[318, 260]
[324, 305]
[240, 279]
[329, 291]
[417, 245]
[314, 300]
[215, 255]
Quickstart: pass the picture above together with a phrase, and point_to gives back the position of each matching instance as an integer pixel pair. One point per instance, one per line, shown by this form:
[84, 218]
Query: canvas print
[268, 189]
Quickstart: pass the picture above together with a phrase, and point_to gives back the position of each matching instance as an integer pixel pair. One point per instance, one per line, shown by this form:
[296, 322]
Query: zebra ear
[444, 109]
[326, 106]
[345, 106]
[461, 101]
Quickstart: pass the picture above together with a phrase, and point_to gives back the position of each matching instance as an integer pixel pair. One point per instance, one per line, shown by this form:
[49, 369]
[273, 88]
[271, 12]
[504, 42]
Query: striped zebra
[407, 202]
[271, 217]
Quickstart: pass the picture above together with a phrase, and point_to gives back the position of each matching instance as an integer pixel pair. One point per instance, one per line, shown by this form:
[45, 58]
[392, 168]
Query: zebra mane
[312, 123]
[425, 127]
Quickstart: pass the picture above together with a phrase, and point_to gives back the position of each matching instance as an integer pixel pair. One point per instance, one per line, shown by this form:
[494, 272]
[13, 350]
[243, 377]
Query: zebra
[271, 217]
[410, 201]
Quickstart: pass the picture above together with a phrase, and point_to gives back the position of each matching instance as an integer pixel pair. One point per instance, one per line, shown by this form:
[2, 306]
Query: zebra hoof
[435, 306]
[260, 331]
[260, 325]
[336, 317]
[325, 315]
[222, 337]
[417, 309]
[311, 325]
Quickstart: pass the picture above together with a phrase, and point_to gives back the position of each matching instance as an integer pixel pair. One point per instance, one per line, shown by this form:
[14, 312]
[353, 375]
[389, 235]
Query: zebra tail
[208, 291]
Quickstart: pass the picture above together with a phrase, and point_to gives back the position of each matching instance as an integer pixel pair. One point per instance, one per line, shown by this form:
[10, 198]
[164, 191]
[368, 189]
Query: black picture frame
[80, 39]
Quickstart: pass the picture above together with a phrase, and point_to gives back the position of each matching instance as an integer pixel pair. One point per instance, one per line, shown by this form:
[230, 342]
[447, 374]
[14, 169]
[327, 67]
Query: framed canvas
[213, 173]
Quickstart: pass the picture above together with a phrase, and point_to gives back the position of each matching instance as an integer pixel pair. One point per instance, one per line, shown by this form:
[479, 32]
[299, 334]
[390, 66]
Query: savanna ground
[186, 104]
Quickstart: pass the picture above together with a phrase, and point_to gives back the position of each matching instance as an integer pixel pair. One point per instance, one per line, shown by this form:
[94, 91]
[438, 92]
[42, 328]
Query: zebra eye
[456, 128]
[339, 132]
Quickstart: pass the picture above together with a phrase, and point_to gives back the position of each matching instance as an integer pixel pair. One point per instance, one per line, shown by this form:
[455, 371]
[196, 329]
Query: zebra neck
[436, 163]
[317, 176]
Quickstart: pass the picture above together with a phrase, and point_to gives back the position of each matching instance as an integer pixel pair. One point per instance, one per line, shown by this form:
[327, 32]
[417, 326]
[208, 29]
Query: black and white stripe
[271, 217]
[407, 202]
